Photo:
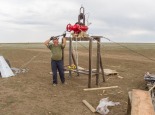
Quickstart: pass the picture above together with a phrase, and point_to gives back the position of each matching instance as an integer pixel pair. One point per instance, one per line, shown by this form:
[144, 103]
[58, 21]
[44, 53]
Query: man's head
[55, 40]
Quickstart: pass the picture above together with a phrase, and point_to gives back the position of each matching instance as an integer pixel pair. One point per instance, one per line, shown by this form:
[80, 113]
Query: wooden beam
[89, 106]
[90, 63]
[141, 103]
[70, 55]
[102, 69]
[83, 72]
[90, 89]
[98, 60]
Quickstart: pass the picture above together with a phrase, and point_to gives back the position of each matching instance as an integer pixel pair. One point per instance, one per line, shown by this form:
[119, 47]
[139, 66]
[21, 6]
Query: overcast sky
[37, 20]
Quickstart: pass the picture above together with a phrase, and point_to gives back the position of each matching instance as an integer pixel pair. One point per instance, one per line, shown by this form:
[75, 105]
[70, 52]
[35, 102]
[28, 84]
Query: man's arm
[47, 42]
[63, 41]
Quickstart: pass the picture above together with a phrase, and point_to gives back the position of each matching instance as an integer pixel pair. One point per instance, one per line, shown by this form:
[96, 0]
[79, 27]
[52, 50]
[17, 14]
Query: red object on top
[77, 28]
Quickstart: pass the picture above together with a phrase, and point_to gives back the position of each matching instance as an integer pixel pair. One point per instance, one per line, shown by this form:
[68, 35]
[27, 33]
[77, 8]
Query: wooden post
[102, 69]
[98, 60]
[90, 63]
[70, 55]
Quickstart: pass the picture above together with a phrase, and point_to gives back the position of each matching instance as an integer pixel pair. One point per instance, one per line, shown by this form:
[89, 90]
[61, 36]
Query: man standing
[56, 58]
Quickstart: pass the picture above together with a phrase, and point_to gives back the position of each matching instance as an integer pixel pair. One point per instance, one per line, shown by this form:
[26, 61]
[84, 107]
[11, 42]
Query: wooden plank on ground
[141, 103]
[89, 106]
[90, 89]
[110, 72]
[83, 72]
[58, 72]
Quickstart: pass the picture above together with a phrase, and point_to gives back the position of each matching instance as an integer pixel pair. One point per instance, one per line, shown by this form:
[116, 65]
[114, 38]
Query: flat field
[32, 93]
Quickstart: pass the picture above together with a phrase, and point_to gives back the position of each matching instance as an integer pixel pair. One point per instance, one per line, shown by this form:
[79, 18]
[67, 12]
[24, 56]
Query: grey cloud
[119, 19]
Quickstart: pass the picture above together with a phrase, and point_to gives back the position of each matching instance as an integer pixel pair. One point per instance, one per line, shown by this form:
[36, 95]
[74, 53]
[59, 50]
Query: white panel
[5, 70]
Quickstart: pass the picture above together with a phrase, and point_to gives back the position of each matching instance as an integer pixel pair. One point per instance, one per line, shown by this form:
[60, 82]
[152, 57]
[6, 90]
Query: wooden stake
[89, 106]
[90, 89]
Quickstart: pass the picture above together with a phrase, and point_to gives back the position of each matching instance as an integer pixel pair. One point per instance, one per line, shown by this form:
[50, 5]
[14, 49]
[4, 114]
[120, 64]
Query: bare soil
[32, 93]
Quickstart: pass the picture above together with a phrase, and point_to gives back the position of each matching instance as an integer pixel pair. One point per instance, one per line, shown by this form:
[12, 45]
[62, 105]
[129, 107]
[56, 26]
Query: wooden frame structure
[99, 65]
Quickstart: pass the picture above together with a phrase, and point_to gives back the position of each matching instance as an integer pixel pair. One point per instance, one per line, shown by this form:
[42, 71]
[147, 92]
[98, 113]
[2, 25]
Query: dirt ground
[32, 93]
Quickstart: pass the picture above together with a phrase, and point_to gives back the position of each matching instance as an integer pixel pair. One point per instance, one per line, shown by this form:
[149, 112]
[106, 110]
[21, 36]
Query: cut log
[89, 106]
[90, 89]
[141, 103]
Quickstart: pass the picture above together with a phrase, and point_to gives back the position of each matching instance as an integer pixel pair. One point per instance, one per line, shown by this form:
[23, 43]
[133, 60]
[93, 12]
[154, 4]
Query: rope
[25, 64]
[121, 46]
[88, 50]
[130, 49]
[83, 46]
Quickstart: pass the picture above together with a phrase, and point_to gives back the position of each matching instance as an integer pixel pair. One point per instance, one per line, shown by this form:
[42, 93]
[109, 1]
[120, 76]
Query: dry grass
[31, 93]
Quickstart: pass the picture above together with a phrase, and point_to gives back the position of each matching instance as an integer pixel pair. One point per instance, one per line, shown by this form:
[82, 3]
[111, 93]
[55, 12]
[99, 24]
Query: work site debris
[110, 72]
[102, 108]
[150, 79]
[89, 106]
[18, 71]
[120, 77]
[5, 70]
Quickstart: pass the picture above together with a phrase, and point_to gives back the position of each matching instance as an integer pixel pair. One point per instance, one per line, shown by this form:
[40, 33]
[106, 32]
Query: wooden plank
[90, 89]
[110, 72]
[106, 71]
[141, 103]
[97, 37]
[89, 106]
[83, 72]
[58, 72]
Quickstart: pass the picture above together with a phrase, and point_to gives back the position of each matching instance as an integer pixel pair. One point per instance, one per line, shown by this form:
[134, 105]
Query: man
[56, 58]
